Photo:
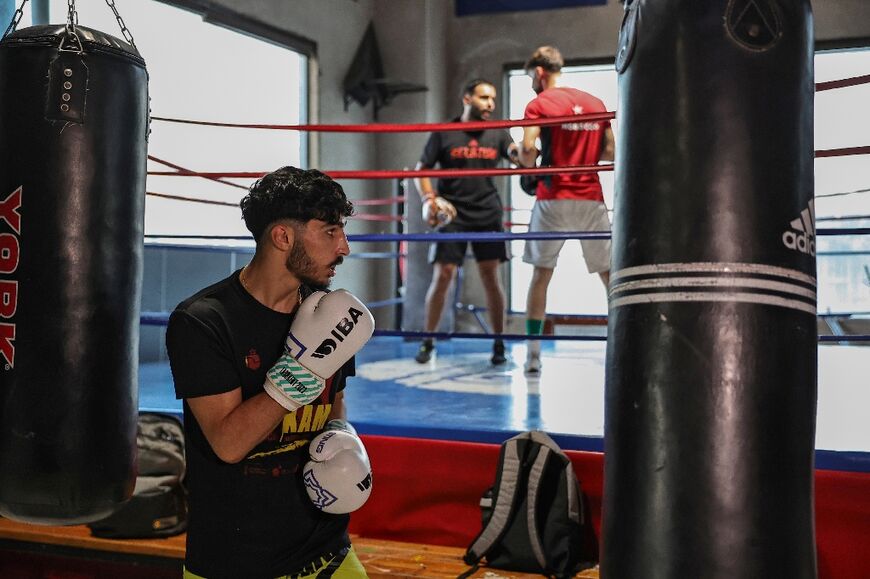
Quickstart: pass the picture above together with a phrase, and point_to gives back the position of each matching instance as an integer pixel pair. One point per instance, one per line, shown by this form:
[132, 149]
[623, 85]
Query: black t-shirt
[475, 198]
[251, 519]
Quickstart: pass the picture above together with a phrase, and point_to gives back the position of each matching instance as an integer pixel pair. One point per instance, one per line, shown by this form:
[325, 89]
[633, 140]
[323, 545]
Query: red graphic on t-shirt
[252, 360]
[473, 150]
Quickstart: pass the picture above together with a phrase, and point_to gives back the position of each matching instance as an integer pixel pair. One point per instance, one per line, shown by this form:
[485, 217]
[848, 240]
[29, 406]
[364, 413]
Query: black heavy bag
[73, 127]
[711, 359]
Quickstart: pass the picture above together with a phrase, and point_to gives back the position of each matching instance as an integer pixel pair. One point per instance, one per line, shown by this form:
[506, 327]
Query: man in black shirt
[477, 206]
[253, 401]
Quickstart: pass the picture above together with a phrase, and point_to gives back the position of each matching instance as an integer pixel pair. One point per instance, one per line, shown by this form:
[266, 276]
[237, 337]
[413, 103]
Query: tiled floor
[459, 395]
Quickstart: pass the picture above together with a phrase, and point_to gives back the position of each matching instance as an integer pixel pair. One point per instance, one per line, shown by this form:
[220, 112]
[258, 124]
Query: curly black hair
[292, 193]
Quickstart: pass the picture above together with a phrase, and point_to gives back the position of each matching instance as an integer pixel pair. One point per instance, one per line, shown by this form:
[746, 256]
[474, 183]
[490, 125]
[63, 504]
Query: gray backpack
[536, 519]
[158, 507]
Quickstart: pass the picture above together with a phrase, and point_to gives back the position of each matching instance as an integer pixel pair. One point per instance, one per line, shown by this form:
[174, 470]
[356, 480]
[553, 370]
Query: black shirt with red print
[254, 518]
[476, 198]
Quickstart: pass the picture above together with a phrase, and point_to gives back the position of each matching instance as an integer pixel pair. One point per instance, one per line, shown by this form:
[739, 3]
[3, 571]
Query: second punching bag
[73, 128]
[711, 356]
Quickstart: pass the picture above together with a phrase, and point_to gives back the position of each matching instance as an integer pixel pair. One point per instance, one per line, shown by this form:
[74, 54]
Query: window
[843, 183]
[569, 292]
[200, 71]
[842, 191]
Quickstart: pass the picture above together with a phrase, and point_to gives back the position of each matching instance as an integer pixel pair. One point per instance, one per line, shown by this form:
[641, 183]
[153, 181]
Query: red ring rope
[191, 172]
[405, 174]
[842, 83]
[442, 173]
[406, 128]
[843, 152]
[467, 126]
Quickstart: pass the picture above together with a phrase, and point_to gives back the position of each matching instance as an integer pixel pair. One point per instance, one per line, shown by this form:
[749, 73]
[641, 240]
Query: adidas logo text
[802, 235]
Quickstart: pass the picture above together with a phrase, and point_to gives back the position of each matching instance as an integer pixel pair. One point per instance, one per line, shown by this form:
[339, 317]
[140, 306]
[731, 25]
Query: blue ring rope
[162, 318]
[478, 236]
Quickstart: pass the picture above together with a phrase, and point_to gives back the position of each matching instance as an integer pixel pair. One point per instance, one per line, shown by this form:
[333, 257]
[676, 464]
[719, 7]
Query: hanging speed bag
[711, 358]
[73, 129]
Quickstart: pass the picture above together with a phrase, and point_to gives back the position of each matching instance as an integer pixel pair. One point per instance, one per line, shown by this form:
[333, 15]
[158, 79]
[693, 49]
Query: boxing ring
[388, 359]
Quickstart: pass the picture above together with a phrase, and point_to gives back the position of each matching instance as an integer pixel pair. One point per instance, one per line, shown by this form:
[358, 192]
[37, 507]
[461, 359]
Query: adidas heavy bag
[711, 357]
[73, 127]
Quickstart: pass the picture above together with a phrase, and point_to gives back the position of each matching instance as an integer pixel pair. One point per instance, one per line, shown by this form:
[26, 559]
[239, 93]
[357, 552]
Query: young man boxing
[260, 360]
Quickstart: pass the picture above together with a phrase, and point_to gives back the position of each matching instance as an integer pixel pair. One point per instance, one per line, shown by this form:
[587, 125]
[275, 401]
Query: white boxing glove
[338, 477]
[329, 328]
[438, 211]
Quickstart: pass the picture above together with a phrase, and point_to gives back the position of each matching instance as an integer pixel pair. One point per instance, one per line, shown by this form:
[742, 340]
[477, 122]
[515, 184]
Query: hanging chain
[128, 36]
[72, 20]
[16, 18]
[72, 16]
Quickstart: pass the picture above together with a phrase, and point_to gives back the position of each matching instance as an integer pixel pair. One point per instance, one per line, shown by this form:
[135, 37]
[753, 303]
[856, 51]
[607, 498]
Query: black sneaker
[498, 357]
[424, 354]
[533, 365]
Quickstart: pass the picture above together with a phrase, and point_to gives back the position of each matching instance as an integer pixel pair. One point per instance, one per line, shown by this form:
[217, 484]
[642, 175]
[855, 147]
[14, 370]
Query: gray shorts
[568, 215]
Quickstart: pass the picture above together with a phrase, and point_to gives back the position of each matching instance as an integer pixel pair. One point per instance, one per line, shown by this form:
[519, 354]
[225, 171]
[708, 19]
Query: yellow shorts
[343, 565]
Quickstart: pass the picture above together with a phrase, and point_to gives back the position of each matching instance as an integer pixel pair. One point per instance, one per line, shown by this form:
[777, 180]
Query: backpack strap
[534, 491]
[506, 493]
[575, 502]
[549, 450]
[575, 510]
[468, 573]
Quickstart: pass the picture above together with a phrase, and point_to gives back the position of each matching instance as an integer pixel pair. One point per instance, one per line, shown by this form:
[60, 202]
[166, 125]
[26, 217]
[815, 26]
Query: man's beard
[300, 264]
[478, 114]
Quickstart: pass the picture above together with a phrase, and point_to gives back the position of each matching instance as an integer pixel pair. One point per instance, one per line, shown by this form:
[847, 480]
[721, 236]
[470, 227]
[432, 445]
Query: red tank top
[570, 143]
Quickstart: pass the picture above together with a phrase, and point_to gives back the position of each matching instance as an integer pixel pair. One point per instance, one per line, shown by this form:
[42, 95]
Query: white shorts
[568, 215]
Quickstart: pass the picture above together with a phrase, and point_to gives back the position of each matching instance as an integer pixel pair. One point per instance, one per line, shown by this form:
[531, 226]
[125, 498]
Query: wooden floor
[394, 559]
[380, 558]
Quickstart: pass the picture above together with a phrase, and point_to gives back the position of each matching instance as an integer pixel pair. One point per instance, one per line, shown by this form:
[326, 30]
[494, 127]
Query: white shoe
[533, 366]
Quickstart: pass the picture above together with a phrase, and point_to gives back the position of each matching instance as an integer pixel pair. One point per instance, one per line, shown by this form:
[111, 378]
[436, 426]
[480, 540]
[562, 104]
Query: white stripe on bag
[714, 267]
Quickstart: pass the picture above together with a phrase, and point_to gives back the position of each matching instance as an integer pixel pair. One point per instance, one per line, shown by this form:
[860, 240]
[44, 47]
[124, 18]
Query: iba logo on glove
[341, 331]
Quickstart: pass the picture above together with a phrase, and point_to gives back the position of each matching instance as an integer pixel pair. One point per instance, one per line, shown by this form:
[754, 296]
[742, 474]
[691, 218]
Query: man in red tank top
[563, 202]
